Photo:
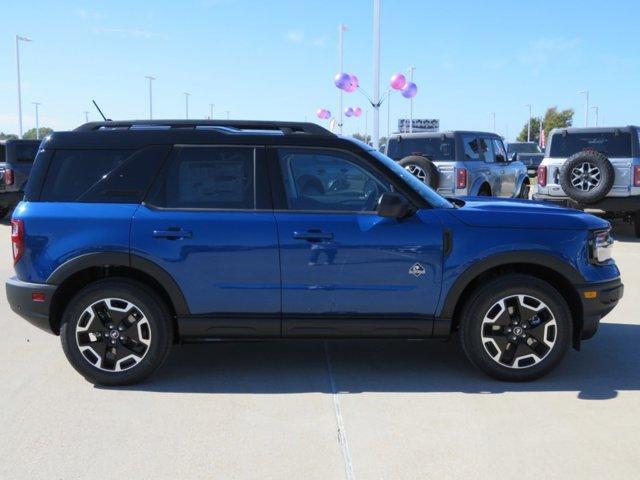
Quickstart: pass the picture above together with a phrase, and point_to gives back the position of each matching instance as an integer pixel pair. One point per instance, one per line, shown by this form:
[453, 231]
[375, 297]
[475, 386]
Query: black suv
[18, 156]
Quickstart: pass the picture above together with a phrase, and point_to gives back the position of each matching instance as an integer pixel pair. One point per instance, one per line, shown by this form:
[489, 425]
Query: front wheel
[516, 328]
[116, 332]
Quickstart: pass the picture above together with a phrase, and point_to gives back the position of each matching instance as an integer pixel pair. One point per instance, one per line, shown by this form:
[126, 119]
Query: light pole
[586, 108]
[597, 110]
[151, 79]
[376, 74]
[411, 70]
[529, 123]
[341, 29]
[186, 104]
[211, 105]
[493, 114]
[388, 117]
[37, 104]
[227, 114]
[86, 116]
[18, 40]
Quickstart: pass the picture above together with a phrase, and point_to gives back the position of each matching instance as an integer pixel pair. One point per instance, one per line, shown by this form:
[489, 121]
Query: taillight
[17, 239]
[461, 178]
[542, 176]
[8, 176]
[636, 175]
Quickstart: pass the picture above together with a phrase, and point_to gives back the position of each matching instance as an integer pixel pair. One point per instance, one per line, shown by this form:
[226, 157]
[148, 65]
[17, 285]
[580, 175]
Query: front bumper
[598, 299]
[608, 204]
[21, 301]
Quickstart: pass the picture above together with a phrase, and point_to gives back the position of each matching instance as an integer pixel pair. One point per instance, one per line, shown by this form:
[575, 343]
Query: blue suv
[134, 236]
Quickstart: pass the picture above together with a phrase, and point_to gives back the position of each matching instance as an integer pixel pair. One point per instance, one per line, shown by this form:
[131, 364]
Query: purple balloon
[410, 90]
[327, 114]
[320, 112]
[342, 80]
[398, 81]
[348, 112]
[357, 111]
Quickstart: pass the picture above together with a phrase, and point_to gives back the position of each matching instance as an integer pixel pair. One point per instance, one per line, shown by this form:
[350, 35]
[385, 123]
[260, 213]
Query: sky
[274, 60]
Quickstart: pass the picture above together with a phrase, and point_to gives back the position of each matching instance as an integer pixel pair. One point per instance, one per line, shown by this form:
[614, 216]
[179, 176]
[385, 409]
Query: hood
[512, 213]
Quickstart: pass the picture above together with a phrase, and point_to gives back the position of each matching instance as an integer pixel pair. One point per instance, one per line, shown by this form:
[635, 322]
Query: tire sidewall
[430, 170]
[143, 298]
[486, 297]
[607, 174]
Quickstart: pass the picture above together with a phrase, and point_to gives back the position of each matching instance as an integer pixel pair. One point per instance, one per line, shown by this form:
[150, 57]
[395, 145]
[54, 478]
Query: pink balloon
[398, 81]
[348, 111]
[342, 80]
[320, 112]
[354, 80]
[410, 90]
[357, 111]
[327, 114]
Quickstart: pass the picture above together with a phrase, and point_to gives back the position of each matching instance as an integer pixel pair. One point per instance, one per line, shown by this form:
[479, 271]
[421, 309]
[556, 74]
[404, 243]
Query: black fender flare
[546, 260]
[120, 259]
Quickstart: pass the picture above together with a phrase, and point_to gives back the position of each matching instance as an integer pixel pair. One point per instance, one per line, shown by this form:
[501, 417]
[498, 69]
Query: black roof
[447, 133]
[627, 128]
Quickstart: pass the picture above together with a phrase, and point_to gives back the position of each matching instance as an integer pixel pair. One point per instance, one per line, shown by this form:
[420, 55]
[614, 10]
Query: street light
[586, 109]
[529, 123]
[186, 104]
[37, 104]
[18, 40]
[597, 110]
[211, 105]
[341, 29]
[86, 116]
[493, 114]
[376, 74]
[411, 70]
[151, 79]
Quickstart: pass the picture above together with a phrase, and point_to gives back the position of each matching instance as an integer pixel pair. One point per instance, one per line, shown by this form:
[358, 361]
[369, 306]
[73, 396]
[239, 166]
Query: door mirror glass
[513, 157]
[390, 204]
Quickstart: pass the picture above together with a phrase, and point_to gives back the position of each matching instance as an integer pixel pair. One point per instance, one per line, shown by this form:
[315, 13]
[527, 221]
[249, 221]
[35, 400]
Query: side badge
[416, 270]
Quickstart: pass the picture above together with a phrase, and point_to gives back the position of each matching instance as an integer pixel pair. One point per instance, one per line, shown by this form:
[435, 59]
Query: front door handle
[172, 233]
[313, 235]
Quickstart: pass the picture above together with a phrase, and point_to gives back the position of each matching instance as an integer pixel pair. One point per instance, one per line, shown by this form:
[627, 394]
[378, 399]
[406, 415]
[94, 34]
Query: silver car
[461, 163]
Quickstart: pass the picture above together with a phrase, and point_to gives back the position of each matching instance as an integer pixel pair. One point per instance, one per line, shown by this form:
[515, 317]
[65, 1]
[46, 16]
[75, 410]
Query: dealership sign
[419, 125]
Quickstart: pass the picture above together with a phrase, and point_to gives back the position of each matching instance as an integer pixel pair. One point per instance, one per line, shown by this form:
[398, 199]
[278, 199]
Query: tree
[552, 119]
[31, 134]
[367, 140]
[7, 136]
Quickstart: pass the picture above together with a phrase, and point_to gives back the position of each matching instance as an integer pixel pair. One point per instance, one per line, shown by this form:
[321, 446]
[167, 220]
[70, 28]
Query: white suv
[594, 168]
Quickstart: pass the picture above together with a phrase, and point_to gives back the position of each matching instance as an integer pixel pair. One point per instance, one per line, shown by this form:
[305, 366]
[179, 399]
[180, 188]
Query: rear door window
[608, 143]
[486, 148]
[471, 147]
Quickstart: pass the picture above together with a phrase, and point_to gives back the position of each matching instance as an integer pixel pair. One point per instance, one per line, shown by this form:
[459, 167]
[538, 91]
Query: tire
[587, 177]
[422, 168]
[636, 224]
[142, 343]
[542, 334]
[524, 191]
[4, 211]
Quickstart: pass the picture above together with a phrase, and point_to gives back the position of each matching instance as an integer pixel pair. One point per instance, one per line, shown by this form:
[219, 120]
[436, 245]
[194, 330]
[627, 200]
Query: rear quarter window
[608, 143]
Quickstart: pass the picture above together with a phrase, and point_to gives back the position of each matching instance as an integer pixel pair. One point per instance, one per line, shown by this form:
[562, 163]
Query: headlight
[600, 246]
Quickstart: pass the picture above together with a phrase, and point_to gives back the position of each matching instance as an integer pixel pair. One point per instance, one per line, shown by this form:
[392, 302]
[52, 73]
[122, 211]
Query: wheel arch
[522, 181]
[74, 274]
[480, 182]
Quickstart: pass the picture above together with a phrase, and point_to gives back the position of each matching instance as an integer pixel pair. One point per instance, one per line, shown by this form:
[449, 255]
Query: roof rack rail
[286, 128]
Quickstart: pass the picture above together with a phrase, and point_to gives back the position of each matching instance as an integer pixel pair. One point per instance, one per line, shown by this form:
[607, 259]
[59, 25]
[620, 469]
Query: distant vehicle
[18, 156]
[461, 163]
[529, 153]
[593, 168]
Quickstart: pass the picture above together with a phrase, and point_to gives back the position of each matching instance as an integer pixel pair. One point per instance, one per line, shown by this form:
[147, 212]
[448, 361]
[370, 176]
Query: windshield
[523, 148]
[420, 188]
[436, 148]
[611, 144]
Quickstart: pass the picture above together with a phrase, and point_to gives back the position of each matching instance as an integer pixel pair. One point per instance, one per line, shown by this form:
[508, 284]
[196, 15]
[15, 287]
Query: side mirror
[513, 157]
[391, 204]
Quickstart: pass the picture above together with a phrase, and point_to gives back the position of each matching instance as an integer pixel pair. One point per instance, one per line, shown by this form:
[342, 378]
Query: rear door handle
[172, 233]
[313, 236]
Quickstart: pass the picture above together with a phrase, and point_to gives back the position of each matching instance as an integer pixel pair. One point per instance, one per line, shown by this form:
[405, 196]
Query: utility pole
[18, 40]
[493, 114]
[376, 74]
[227, 114]
[388, 117]
[597, 110]
[529, 124]
[151, 79]
[341, 29]
[37, 104]
[586, 108]
[186, 104]
[211, 105]
[411, 70]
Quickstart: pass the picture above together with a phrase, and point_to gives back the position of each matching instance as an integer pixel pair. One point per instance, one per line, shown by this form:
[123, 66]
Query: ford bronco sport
[593, 168]
[458, 163]
[133, 236]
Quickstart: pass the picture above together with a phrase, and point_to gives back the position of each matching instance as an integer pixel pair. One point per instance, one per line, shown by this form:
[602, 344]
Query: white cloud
[127, 32]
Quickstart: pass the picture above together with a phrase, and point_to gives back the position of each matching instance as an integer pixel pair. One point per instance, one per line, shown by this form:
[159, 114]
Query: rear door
[508, 171]
[208, 222]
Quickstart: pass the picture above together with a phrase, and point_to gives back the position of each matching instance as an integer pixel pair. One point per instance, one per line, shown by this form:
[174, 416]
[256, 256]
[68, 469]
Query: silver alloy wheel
[585, 176]
[417, 171]
[519, 331]
[113, 334]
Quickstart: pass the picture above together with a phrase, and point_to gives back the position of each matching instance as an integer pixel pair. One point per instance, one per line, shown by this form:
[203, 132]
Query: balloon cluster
[399, 82]
[323, 113]
[353, 112]
[346, 81]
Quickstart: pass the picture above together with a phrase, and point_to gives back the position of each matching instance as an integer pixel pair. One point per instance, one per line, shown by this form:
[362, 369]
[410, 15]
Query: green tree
[367, 139]
[31, 134]
[553, 118]
[7, 136]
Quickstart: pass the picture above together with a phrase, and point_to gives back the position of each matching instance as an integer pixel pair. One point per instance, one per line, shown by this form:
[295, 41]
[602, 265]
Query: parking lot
[381, 409]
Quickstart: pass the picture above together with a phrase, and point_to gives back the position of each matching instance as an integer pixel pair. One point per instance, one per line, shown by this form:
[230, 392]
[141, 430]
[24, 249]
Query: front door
[345, 270]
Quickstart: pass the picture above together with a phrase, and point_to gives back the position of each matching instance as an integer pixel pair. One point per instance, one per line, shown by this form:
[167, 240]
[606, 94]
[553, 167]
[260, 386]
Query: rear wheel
[422, 168]
[516, 328]
[116, 332]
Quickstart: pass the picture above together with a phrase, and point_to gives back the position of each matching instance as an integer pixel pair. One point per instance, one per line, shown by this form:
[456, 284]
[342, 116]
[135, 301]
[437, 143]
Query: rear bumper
[10, 198]
[20, 297]
[606, 297]
[609, 204]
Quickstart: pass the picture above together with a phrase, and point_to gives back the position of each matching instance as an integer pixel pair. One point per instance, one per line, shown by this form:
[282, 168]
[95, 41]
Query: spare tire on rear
[422, 168]
[587, 177]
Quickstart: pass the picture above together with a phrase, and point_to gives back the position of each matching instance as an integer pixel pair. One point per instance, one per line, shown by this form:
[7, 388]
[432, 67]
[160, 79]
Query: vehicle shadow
[607, 364]
[623, 232]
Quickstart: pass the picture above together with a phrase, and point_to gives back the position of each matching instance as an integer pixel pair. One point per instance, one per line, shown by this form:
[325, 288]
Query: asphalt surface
[345, 409]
